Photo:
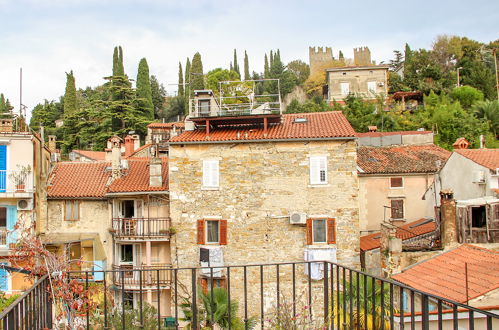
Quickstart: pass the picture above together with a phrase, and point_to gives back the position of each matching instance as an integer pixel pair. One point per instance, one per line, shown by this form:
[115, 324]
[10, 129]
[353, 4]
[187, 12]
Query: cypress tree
[340, 56]
[266, 67]
[196, 72]
[246, 67]
[187, 72]
[144, 90]
[271, 58]
[115, 62]
[121, 68]
[180, 80]
[231, 67]
[278, 54]
[236, 66]
[2, 104]
[70, 101]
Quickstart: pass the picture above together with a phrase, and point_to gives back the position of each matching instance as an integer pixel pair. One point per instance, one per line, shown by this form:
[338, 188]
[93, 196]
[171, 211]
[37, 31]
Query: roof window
[300, 120]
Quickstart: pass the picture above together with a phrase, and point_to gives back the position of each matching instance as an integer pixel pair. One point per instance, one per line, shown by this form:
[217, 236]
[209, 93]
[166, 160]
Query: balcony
[156, 275]
[3, 237]
[142, 228]
[16, 183]
[267, 296]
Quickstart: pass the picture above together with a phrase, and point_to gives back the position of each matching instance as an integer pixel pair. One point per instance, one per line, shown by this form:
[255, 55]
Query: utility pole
[494, 52]
[458, 77]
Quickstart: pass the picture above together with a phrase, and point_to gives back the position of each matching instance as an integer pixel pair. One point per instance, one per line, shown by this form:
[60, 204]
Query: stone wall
[260, 184]
[358, 79]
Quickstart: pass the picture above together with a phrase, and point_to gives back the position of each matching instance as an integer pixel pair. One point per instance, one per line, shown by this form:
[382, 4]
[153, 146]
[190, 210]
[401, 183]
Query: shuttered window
[210, 173]
[397, 208]
[396, 182]
[318, 170]
[212, 232]
[321, 231]
[72, 210]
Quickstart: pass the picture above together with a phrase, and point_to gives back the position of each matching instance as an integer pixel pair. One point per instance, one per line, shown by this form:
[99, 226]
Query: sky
[50, 37]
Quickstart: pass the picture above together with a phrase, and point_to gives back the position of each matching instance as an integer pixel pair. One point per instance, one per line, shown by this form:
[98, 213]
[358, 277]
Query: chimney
[52, 143]
[155, 172]
[448, 222]
[136, 142]
[372, 128]
[6, 125]
[129, 144]
[390, 250]
[115, 156]
[461, 143]
[482, 141]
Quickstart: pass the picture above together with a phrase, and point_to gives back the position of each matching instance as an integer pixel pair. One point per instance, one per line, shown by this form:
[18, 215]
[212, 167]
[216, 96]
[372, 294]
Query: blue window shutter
[3, 168]
[11, 222]
[4, 278]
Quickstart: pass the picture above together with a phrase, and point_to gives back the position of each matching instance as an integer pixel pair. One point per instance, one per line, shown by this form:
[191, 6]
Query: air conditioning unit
[25, 204]
[297, 218]
[479, 177]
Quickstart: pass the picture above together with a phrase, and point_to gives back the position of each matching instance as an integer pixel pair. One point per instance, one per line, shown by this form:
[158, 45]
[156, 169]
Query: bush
[466, 95]
[6, 301]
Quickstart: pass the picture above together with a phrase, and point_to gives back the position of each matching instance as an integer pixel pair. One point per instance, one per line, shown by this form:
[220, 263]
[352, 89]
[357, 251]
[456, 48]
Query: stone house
[24, 164]
[114, 216]
[265, 189]
[393, 180]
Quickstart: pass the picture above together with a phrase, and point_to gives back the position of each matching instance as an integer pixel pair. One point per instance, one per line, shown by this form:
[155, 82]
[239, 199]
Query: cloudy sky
[50, 37]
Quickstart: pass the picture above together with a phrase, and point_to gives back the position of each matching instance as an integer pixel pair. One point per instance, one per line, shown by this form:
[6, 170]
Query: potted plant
[20, 176]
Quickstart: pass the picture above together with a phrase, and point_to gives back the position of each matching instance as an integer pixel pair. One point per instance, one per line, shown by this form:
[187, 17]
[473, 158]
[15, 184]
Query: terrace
[279, 295]
[140, 228]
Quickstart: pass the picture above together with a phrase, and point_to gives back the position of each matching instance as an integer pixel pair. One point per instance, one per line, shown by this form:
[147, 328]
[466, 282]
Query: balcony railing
[12, 181]
[141, 228]
[3, 236]
[277, 295]
[144, 275]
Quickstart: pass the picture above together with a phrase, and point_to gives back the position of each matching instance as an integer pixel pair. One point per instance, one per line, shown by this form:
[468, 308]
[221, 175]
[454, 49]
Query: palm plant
[489, 110]
[369, 296]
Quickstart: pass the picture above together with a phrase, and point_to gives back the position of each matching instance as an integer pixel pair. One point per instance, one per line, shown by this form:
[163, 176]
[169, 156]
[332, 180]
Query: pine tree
[144, 90]
[196, 72]
[180, 80]
[266, 70]
[70, 101]
[246, 67]
[236, 66]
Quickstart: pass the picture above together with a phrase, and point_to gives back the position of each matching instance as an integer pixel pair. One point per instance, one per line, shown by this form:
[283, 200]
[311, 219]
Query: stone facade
[260, 185]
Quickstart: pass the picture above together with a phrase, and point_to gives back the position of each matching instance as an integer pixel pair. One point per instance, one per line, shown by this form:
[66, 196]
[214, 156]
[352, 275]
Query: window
[204, 107]
[397, 208]
[72, 210]
[128, 299]
[3, 217]
[321, 231]
[212, 231]
[478, 217]
[210, 173]
[371, 87]
[396, 183]
[345, 88]
[318, 170]
[126, 253]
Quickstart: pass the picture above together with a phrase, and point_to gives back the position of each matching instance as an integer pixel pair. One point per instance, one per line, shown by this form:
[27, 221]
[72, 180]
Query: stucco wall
[358, 79]
[375, 192]
[260, 184]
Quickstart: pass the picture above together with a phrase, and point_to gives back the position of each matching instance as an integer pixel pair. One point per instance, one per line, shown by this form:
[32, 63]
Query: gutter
[129, 193]
[266, 140]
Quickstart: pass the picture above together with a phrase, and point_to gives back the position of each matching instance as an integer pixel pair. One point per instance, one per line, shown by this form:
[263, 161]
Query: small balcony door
[129, 208]
[129, 258]
[3, 168]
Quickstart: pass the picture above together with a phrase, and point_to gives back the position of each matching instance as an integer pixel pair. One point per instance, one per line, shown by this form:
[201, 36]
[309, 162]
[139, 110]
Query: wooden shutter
[397, 208]
[201, 231]
[331, 231]
[314, 170]
[309, 231]
[223, 232]
[206, 173]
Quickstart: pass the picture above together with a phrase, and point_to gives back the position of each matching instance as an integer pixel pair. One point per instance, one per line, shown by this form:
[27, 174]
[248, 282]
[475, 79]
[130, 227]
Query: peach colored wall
[375, 192]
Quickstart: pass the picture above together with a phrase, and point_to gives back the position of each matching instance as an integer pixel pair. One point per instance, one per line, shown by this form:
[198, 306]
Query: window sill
[210, 188]
[71, 220]
[319, 185]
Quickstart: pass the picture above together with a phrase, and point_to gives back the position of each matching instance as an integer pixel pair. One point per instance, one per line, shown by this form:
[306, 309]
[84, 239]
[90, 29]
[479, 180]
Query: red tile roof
[405, 232]
[318, 125]
[379, 134]
[485, 157]
[94, 155]
[401, 159]
[145, 146]
[78, 179]
[136, 177]
[91, 180]
[444, 275]
[166, 125]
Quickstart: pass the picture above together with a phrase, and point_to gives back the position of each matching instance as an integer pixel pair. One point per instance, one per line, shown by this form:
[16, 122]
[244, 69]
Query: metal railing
[3, 236]
[142, 228]
[267, 296]
[12, 181]
[143, 275]
[32, 310]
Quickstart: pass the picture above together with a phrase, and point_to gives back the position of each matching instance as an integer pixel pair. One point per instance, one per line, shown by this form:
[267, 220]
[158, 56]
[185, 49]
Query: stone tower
[319, 58]
[362, 56]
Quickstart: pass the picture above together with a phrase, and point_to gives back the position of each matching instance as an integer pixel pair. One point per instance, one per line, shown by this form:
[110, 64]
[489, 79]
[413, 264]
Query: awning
[477, 201]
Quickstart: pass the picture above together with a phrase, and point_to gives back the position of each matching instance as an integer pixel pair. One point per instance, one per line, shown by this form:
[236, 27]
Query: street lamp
[458, 80]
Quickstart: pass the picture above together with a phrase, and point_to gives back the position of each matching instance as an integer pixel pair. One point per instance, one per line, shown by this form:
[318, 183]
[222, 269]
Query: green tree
[180, 80]
[188, 73]
[118, 68]
[266, 68]
[466, 95]
[300, 70]
[70, 100]
[236, 65]
[196, 73]
[175, 109]
[144, 90]
[5, 106]
[489, 111]
[246, 67]
[215, 76]
[158, 97]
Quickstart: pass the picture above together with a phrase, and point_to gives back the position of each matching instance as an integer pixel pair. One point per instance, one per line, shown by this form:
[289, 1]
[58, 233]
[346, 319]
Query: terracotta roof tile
[318, 125]
[379, 134]
[405, 232]
[145, 146]
[401, 159]
[78, 179]
[136, 177]
[166, 125]
[444, 275]
[91, 180]
[95, 155]
[485, 157]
